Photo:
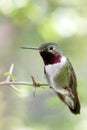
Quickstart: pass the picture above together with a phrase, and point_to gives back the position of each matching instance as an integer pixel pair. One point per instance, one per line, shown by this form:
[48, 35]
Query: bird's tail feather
[76, 109]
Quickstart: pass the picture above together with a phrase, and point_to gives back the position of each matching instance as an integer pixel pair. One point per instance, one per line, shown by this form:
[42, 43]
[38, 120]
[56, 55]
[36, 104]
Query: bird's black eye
[51, 48]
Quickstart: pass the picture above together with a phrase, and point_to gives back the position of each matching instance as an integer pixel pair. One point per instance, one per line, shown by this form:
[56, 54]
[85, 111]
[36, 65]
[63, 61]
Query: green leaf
[10, 75]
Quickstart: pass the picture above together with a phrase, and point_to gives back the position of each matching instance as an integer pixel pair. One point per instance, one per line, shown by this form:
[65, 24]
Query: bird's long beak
[27, 47]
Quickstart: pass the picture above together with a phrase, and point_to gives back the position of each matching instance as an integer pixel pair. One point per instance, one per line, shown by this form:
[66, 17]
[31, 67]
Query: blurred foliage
[32, 22]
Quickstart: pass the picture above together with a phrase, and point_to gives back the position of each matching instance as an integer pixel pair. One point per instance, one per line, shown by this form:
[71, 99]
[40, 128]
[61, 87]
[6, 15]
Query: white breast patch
[53, 69]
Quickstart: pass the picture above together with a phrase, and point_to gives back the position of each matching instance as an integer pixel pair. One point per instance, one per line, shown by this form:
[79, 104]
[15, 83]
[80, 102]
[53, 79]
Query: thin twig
[20, 83]
[12, 84]
[15, 88]
[34, 85]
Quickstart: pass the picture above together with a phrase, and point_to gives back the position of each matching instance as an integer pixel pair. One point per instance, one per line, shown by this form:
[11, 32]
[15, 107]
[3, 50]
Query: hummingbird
[60, 74]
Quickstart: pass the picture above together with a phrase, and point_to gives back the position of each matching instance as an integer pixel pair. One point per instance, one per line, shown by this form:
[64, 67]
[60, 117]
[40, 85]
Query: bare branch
[15, 88]
[12, 84]
[21, 83]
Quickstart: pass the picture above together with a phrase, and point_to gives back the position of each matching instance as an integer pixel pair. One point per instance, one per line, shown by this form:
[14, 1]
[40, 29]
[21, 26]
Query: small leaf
[10, 75]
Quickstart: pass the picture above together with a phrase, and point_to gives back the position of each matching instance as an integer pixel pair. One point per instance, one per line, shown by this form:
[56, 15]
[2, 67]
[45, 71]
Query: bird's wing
[72, 78]
[73, 86]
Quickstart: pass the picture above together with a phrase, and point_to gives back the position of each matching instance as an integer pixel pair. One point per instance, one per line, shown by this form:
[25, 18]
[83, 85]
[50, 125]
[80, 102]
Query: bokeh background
[32, 22]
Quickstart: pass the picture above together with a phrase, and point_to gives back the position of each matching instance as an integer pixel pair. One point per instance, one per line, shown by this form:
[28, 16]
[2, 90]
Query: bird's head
[50, 52]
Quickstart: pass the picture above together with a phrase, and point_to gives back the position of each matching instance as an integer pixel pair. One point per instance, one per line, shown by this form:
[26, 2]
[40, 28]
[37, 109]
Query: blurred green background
[32, 22]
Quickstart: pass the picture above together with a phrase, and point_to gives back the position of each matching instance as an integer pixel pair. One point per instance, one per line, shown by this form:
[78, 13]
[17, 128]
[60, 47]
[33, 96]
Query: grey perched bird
[60, 74]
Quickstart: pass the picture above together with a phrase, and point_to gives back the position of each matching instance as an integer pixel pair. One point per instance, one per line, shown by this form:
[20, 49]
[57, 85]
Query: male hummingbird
[60, 74]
